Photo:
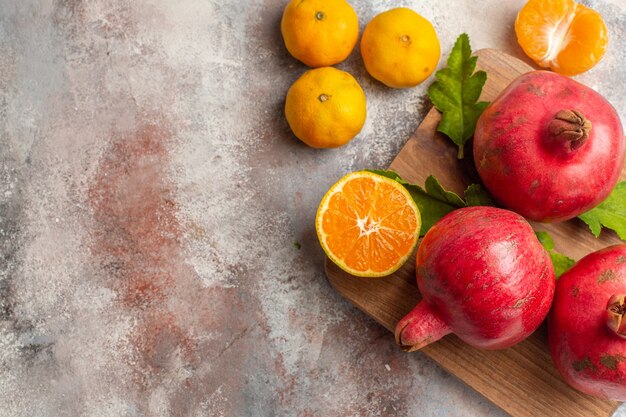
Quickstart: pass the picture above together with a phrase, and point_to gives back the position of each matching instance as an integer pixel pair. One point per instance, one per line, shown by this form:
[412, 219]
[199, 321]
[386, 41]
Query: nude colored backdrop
[157, 249]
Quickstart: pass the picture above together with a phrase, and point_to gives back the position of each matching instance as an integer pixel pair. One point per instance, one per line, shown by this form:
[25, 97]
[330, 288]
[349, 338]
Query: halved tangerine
[563, 35]
[368, 224]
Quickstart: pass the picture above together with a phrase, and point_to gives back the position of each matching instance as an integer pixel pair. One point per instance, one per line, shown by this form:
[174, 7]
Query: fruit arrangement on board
[547, 149]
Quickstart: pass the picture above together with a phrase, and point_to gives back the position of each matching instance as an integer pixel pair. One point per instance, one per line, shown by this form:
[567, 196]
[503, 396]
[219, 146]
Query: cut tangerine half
[368, 224]
[563, 35]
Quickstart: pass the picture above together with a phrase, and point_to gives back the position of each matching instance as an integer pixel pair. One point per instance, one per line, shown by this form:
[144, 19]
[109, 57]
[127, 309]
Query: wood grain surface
[521, 380]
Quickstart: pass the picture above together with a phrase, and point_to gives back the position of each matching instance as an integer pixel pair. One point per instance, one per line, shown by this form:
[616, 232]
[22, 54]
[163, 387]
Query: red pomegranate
[586, 328]
[484, 276]
[549, 147]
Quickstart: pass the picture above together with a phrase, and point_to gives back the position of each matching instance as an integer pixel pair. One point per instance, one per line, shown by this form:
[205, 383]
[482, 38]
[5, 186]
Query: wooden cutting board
[521, 380]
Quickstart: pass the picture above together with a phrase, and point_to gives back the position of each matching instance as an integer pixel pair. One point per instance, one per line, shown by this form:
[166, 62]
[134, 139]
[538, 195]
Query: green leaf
[560, 262]
[476, 195]
[455, 94]
[434, 201]
[546, 240]
[389, 174]
[434, 189]
[611, 213]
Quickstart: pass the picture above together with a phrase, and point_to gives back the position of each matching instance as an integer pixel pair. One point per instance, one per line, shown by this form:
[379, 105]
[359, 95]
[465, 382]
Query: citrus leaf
[389, 174]
[611, 213]
[560, 262]
[434, 189]
[546, 240]
[455, 94]
[475, 195]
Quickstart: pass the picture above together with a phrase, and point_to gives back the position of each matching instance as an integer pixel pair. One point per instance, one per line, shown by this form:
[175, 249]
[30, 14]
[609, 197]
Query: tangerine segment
[563, 35]
[383, 254]
[588, 33]
[368, 224]
[537, 24]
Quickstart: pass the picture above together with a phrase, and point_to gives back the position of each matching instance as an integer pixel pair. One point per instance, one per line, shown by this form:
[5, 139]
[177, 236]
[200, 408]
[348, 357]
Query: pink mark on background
[139, 245]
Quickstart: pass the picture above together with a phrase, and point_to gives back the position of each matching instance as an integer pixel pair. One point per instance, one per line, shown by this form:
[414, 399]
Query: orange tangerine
[319, 33]
[368, 224]
[400, 48]
[325, 107]
[563, 35]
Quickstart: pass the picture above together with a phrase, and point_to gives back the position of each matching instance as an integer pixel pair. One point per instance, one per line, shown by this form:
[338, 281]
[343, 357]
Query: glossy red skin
[523, 169]
[590, 357]
[485, 274]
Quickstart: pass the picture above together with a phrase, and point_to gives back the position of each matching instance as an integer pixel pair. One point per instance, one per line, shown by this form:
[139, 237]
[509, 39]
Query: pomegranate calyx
[615, 310]
[569, 128]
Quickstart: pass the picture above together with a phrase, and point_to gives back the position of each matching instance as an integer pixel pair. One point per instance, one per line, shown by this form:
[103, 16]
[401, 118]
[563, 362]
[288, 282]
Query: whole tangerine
[400, 48]
[325, 107]
[319, 33]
